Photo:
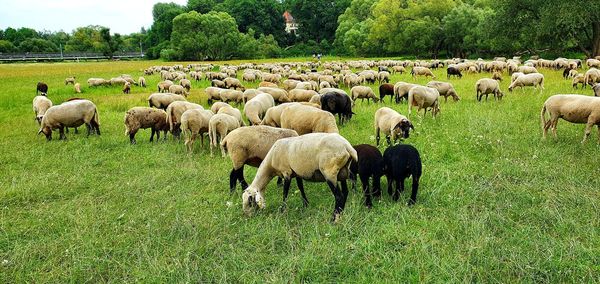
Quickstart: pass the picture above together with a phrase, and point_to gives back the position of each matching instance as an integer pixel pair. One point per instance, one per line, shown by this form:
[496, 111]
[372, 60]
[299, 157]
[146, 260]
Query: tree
[263, 16]
[353, 28]
[464, 31]
[201, 6]
[317, 20]
[37, 45]
[86, 39]
[160, 31]
[7, 46]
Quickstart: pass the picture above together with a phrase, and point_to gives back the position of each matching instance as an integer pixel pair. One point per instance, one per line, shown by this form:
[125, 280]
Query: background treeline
[228, 29]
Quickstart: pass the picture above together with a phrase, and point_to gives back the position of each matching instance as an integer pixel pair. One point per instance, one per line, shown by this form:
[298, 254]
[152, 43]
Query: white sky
[121, 16]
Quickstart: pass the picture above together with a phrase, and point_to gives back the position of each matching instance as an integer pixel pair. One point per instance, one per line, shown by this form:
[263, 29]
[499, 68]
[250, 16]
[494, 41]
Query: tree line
[229, 29]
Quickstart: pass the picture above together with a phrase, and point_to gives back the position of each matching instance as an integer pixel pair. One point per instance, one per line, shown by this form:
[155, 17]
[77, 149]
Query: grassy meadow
[496, 202]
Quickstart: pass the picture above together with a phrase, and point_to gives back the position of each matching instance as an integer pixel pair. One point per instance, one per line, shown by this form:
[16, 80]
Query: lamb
[424, 98]
[70, 114]
[174, 112]
[421, 71]
[218, 84]
[592, 76]
[163, 87]
[228, 95]
[487, 86]
[445, 89]
[401, 90]
[249, 146]
[315, 157]
[178, 90]
[96, 82]
[186, 84]
[579, 79]
[279, 95]
[299, 95]
[400, 162]
[218, 126]
[163, 100]
[393, 125]
[257, 107]
[233, 83]
[233, 112]
[40, 105]
[306, 119]
[142, 82]
[41, 87]
[574, 109]
[532, 79]
[70, 80]
[77, 88]
[145, 117]
[369, 165]
[337, 104]
[127, 88]
[362, 92]
[195, 122]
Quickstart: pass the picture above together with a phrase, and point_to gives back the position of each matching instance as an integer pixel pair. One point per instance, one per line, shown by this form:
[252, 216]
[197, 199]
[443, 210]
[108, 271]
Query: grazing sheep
[579, 79]
[592, 76]
[424, 98]
[186, 84]
[145, 117]
[445, 89]
[126, 88]
[383, 76]
[401, 90]
[386, 90]
[393, 125]
[142, 82]
[272, 116]
[290, 84]
[70, 80]
[300, 95]
[337, 104]
[195, 122]
[532, 79]
[421, 71]
[213, 93]
[487, 86]
[40, 105]
[117, 81]
[310, 85]
[249, 146]
[279, 95]
[400, 162]
[306, 119]
[41, 88]
[497, 76]
[256, 108]
[96, 82]
[592, 62]
[514, 76]
[163, 100]
[316, 99]
[219, 125]
[572, 73]
[163, 87]
[249, 94]
[77, 88]
[324, 84]
[70, 114]
[453, 71]
[574, 109]
[267, 84]
[218, 105]
[228, 95]
[178, 90]
[233, 83]
[369, 165]
[527, 70]
[363, 92]
[233, 112]
[315, 157]
[218, 84]
[174, 112]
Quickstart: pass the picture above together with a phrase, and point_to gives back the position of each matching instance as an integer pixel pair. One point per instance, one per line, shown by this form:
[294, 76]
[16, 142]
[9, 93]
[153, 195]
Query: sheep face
[47, 131]
[404, 127]
[252, 198]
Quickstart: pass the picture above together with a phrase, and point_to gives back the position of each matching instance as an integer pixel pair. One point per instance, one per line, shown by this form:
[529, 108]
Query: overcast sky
[121, 16]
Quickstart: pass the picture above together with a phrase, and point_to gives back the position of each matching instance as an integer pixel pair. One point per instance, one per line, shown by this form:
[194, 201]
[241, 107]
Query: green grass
[496, 202]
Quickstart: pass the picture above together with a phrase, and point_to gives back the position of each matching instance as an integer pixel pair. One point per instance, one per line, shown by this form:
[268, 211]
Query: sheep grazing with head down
[70, 114]
[137, 118]
[174, 112]
[70, 80]
[233, 112]
[497, 76]
[142, 82]
[233, 83]
[250, 94]
[279, 95]
[596, 89]
[487, 86]
[217, 106]
[322, 157]
[77, 88]
[369, 165]
[591, 77]
[256, 108]
[195, 122]
[363, 92]
[163, 87]
[386, 90]
[178, 90]
[574, 109]
[424, 98]
[579, 79]
[400, 162]
[401, 90]
[307, 119]
[531, 79]
[421, 71]
[514, 76]
[40, 105]
[127, 88]
[393, 125]
[339, 104]
[219, 125]
[300, 95]
[249, 146]
[228, 95]
[445, 89]
[453, 71]
[163, 100]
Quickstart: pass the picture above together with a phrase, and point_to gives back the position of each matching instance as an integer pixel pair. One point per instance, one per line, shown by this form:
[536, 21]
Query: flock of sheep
[293, 132]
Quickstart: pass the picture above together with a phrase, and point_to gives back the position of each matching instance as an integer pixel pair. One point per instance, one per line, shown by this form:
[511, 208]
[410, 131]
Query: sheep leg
[286, 191]
[588, 130]
[337, 210]
[365, 184]
[376, 190]
[390, 182]
[377, 135]
[62, 136]
[415, 188]
[132, 138]
[232, 180]
[300, 184]
[152, 134]
[344, 193]
[89, 129]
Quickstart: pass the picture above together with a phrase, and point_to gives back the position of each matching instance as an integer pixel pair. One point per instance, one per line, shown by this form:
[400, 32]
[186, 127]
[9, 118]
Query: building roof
[288, 17]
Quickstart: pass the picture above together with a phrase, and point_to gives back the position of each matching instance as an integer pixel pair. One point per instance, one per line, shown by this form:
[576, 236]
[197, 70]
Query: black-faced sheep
[127, 88]
[393, 125]
[322, 157]
[144, 117]
[574, 109]
[400, 162]
[70, 114]
[453, 71]
[41, 88]
[337, 104]
[369, 166]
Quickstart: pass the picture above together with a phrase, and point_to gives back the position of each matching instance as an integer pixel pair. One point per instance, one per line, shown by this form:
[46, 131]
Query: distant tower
[290, 23]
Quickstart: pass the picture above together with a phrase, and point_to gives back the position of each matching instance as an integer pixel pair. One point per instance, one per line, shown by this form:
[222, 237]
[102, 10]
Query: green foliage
[86, 39]
[353, 29]
[37, 45]
[201, 6]
[317, 20]
[7, 46]
[160, 32]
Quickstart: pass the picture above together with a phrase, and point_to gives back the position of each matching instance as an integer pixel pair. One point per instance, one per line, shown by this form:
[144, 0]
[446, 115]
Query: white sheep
[401, 90]
[393, 125]
[421, 71]
[233, 83]
[301, 95]
[178, 90]
[487, 86]
[272, 116]
[578, 79]
[279, 95]
[228, 95]
[257, 107]
[527, 70]
[174, 112]
[142, 82]
[363, 92]
[219, 125]
[250, 94]
[424, 98]
[445, 89]
[574, 109]
[187, 84]
[145, 117]
[95, 82]
[40, 105]
[592, 76]
[323, 157]
[70, 114]
[532, 79]
[163, 100]
[70, 80]
[195, 122]
[307, 119]
[514, 76]
[77, 88]
[233, 112]
[163, 86]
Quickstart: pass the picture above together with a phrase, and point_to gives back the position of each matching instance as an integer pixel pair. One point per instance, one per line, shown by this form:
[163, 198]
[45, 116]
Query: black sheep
[453, 71]
[402, 161]
[42, 87]
[566, 72]
[369, 165]
[386, 90]
[337, 104]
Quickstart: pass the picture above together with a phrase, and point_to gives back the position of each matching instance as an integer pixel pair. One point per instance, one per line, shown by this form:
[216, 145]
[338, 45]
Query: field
[496, 203]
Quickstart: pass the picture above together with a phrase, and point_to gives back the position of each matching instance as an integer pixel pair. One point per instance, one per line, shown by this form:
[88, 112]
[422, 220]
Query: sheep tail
[543, 117]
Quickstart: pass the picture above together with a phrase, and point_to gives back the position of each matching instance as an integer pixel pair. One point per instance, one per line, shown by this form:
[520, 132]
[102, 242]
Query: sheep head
[252, 198]
[404, 127]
